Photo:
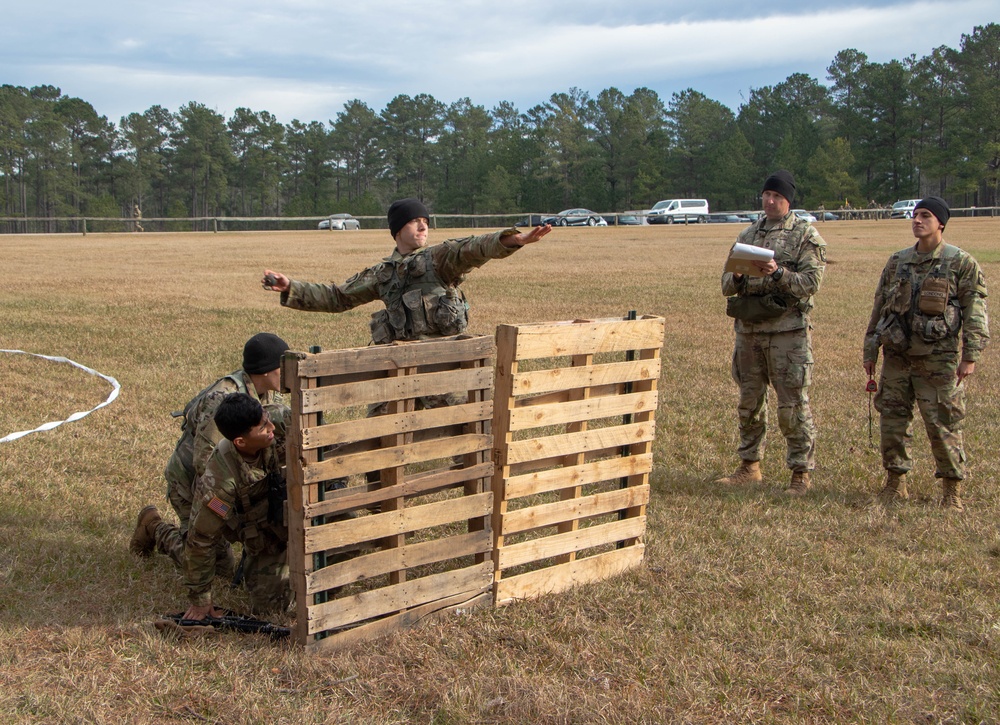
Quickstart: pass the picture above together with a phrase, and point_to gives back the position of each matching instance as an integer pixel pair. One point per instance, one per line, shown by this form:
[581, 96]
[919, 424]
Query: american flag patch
[219, 506]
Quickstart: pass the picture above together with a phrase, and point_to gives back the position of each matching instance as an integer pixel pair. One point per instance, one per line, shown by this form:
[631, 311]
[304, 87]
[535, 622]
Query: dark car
[727, 219]
[828, 216]
[532, 220]
[576, 218]
[625, 219]
[339, 221]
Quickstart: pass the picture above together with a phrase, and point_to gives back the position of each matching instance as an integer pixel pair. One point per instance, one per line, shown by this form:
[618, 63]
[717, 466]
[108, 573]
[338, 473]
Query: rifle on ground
[230, 622]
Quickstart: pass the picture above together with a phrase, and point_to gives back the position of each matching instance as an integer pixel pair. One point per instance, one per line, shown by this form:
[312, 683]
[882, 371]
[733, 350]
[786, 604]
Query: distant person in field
[240, 497]
[137, 217]
[929, 318]
[260, 378]
[773, 334]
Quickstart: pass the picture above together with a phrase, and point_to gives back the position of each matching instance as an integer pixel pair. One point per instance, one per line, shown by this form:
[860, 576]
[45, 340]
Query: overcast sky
[303, 59]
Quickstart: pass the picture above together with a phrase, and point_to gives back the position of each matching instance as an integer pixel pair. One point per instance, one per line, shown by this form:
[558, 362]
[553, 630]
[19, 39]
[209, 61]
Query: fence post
[85, 226]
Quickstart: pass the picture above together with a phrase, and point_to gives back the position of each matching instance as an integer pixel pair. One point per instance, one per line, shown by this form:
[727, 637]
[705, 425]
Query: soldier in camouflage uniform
[260, 377]
[419, 285]
[773, 341]
[929, 316]
[240, 497]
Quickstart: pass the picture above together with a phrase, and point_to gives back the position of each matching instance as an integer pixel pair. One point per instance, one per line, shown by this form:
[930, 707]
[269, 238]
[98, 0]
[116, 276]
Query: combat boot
[748, 472]
[952, 494]
[800, 483]
[894, 492]
[143, 538]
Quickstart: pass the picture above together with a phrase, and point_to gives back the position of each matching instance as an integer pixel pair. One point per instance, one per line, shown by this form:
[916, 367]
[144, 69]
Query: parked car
[576, 218]
[903, 209]
[829, 216]
[532, 220]
[727, 219]
[803, 214]
[670, 211]
[626, 219]
[340, 221]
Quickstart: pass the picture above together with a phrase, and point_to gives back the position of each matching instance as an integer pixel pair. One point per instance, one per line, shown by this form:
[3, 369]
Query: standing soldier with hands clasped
[773, 341]
[929, 317]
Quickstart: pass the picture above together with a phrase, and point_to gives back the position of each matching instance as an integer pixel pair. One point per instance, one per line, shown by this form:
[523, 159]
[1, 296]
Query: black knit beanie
[783, 183]
[262, 353]
[936, 206]
[403, 211]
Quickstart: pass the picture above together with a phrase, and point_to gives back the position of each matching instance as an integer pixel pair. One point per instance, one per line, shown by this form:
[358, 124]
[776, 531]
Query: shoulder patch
[219, 507]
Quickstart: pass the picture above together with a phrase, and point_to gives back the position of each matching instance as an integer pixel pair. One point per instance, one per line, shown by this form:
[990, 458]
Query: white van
[903, 209]
[670, 211]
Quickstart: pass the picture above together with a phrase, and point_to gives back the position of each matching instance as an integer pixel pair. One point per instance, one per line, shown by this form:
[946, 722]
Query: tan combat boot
[952, 494]
[894, 492]
[800, 483]
[748, 472]
[143, 539]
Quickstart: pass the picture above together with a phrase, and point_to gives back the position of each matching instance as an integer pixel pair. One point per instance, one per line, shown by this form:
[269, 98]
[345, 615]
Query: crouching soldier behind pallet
[260, 377]
[239, 498]
[930, 319]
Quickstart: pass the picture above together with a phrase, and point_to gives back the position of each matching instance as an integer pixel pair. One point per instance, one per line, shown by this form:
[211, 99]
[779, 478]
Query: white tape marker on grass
[115, 389]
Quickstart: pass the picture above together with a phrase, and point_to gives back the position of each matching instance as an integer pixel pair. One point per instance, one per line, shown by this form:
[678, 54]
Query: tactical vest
[417, 303]
[259, 506]
[189, 423]
[920, 313]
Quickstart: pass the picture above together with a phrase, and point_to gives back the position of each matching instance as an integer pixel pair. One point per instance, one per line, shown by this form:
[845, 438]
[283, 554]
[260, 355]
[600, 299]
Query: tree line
[876, 132]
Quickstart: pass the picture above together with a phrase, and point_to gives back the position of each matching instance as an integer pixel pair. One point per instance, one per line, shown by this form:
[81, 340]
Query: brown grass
[750, 607]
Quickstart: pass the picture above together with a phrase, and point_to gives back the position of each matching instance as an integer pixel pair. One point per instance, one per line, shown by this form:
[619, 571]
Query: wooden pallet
[573, 425]
[413, 538]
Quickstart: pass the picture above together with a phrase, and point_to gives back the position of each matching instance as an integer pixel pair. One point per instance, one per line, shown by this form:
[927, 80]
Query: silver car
[340, 221]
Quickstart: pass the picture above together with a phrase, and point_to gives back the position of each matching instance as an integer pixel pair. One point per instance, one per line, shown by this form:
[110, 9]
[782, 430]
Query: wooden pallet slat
[575, 411]
[558, 512]
[581, 571]
[598, 376]
[466, 582]
[383, 425]
[394, 523]
[553, 479]
[573, 541]
[397, 388]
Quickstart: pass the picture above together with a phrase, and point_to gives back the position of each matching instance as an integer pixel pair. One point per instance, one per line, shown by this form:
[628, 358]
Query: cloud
[305, 58]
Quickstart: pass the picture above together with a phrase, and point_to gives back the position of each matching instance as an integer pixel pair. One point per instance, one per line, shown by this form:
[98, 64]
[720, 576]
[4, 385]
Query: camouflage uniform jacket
[899, 292]
[232, 501]
[199, 436]
[419, 290]
[801, 252]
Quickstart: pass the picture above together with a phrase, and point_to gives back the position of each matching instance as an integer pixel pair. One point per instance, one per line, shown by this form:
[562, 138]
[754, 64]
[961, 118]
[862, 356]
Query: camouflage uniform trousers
[265, 573]
[179, 491]
[932, 383]
[784, 360]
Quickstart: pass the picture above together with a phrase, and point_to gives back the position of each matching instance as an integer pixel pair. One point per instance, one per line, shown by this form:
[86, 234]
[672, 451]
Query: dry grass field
[750, 607]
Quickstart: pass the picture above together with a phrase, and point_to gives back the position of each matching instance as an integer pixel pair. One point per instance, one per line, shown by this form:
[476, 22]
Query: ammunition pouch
[938, 327]
[380, 327]
[892, 335]
[277, 494]
[451, 314]
[756, 309]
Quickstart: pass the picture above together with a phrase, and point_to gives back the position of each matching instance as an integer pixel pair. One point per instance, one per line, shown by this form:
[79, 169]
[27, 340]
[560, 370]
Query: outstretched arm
[519, 240]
